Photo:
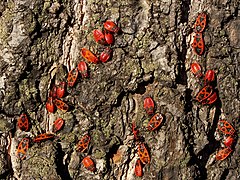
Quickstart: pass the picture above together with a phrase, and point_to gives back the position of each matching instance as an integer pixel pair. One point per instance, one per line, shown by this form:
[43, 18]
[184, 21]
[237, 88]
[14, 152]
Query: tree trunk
[40, 42]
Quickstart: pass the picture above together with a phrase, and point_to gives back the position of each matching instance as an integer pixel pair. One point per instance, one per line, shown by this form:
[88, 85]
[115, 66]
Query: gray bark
[41, 41]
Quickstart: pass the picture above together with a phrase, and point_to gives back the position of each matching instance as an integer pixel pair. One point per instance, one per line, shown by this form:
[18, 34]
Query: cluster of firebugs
[154, 124]
[207, 95]
[106, 38]
[59, 91]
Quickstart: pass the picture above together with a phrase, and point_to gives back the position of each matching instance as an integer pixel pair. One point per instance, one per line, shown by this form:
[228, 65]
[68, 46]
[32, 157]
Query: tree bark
[40, 42]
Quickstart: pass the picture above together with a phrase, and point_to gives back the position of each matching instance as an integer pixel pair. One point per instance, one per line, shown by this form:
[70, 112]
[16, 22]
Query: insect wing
[138, 168]
[223, 154]
[149, 105]
[226, 127]
[61, 105]
[50, 106]
[196, 69]
[43, 137]
[99, 37]
[83, 143]
[61, 89]
[89, 164]
[83, 69]
[89, 56]
[228, 142]
[143, 154]
[155, 122]
[23, 122]
[53, 92]
[210, 100]
[22, 148]
[58, 124]
[106, 54]
[209, 77]
[109, 37]
[72, 77]
[111, 26]
[204, 93]
[200, 23]
[198, 44]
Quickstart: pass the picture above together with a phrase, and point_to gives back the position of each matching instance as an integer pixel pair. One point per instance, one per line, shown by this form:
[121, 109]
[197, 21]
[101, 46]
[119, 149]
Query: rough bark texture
[40, 42]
